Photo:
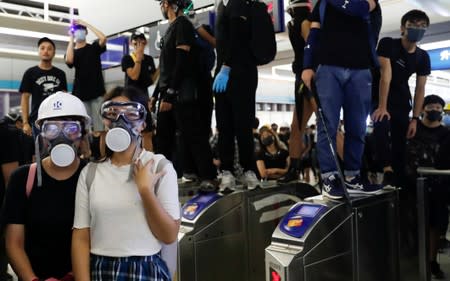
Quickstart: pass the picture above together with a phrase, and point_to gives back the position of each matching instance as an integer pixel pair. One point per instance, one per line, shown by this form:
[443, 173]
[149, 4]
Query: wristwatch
[415, 118]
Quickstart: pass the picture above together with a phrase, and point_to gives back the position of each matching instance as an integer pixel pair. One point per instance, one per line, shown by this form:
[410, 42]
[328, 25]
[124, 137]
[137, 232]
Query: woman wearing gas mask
[273, 159]
[39, 205]
[127, 205]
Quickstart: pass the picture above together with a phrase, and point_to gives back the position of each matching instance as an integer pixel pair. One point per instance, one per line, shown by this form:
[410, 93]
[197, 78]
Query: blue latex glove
[221, 81]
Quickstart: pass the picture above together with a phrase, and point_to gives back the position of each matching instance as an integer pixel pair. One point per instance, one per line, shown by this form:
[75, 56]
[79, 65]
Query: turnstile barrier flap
[198, 203]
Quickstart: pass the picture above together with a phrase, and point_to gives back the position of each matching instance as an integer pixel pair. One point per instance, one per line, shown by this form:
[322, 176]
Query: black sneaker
[291, 175]
[436, 271]
[332, 188]
[389, 179]
[357, 186]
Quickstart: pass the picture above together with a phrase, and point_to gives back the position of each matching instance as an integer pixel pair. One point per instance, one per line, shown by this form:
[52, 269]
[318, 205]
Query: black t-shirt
[422, 150]
[88, 83]
[277, 160]
[147, 69]
[403, 65]
[344, 40]
[40, 84]
[47, 215]
[298, 44]
[233, 35]
[180, 32]
[9, 152]
[443, 159]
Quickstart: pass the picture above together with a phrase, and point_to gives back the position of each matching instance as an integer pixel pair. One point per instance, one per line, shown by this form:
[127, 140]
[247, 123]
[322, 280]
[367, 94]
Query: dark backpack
[262, 40]
[206, 56]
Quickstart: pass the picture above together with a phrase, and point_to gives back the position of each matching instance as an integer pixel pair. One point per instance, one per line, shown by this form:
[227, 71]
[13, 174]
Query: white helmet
[62, 104]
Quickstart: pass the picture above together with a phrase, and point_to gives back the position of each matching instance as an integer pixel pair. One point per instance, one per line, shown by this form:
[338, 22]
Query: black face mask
[434, 115]
[267, 141]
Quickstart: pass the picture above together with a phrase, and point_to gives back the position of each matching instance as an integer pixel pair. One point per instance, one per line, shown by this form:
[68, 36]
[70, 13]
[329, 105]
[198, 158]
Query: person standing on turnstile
[298, 29]
[235, 90]
[399, 59]
[180, 104]
[339, 53]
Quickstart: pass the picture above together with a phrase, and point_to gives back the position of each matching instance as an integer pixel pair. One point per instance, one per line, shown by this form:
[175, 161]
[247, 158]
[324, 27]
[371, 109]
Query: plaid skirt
[145, 268]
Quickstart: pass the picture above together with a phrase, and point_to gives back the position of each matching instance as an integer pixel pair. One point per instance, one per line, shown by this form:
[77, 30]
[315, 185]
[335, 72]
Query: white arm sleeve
[82, 217]
[168, 192]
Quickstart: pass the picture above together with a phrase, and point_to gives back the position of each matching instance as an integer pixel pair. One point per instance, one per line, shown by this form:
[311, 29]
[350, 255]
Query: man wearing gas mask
[89, 84]
[180, 96]
[423, 151]
[40, 200]
[399, 59]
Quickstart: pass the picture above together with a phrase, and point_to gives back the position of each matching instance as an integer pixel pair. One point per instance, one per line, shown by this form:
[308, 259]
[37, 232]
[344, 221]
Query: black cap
[46, 39]
[138, 35]
[433, 99]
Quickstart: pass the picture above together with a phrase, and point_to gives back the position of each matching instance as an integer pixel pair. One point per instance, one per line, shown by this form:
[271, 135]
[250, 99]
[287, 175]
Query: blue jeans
[349, 89]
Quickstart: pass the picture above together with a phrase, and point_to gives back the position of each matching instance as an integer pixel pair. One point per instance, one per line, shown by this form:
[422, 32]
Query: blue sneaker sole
[359, 191]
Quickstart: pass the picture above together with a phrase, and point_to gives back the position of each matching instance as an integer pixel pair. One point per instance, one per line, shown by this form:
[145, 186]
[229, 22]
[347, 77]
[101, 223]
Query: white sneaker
[227, 181]
[250, 180]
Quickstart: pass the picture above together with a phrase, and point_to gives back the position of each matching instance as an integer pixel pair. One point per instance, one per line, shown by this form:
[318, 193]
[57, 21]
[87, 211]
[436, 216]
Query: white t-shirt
[114, 212]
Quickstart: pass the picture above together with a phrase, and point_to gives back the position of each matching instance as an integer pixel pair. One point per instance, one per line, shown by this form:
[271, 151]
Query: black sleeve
[14, 207]
[99, 50]
[10, 139]
[236, 18]
[424, 65]
[63, 81]
[151, 62]
[315, 15]
[156, 91]
[385, 47]
[127, 62]
[185, 33]
[184, 36]
[69, 65]
[442, 159]
[260, 155]
[27, 84]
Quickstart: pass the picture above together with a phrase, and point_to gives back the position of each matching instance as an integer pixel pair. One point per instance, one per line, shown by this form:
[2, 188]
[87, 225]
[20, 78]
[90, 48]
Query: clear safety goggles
[131, 111]
[69, 129]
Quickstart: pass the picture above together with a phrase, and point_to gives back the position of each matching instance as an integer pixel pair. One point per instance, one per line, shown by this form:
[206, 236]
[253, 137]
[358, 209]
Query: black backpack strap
[159, 167]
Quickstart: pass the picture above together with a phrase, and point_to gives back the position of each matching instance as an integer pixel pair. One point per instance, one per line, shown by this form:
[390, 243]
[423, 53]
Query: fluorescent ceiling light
[436, 45]
[32, 34]
[24, 53]
[114, 47]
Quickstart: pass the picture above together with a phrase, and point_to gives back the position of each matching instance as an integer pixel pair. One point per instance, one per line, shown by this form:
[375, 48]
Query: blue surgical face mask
[415, 34]
[80, 35]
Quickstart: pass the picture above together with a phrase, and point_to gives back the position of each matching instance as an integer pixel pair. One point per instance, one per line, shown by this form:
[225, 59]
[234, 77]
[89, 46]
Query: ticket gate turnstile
[337, 241]
[223, 237]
